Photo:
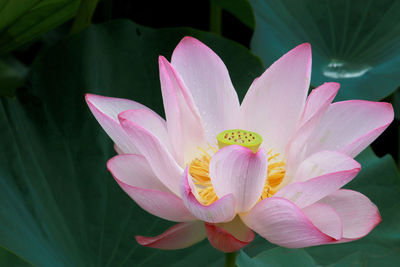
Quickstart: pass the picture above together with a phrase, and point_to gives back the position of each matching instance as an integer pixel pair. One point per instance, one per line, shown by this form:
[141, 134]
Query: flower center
[248, 139]
[199, 167]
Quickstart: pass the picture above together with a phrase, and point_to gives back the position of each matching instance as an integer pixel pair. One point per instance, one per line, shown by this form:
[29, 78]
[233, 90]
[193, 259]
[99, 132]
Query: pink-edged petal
[357, 213]
[159, 203]
[275, 101]
[134, 170]
[179, 236]
[222, 210]
[317, 103]
[156, 153]
[106, 110]
[325, 218]
[319, 100]
[323, 173]
[118, 150]
[229, 237]
[324, 162]
[283, 223]
[208, 81]
[152, 122]
[184, 124]
[350, 126]
[135, 177]
[238, 171]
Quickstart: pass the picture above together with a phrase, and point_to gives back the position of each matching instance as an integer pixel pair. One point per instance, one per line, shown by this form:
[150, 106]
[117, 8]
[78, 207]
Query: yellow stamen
[276, 173]
[199, 170]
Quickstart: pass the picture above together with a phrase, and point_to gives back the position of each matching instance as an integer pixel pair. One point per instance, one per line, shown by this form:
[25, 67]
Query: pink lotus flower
[279, 177]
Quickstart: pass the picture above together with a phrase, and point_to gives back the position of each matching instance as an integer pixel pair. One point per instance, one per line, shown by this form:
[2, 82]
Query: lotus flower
[274, 164]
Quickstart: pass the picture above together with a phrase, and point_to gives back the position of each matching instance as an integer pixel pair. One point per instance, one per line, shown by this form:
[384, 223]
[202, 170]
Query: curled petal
[179, 236]
[350, 126]
[325, 218]
[317, 103]
[281, 222]
[324, 173]
[207, 78]
[159, 203]
[156, 153]
[106, 110]
[222, 210]
[134, 170]
[135, 177]
[229, 237]
[319, 100]
[237, 170]
[275, 101]
[357, 213]
[152, 122]
[324, 162]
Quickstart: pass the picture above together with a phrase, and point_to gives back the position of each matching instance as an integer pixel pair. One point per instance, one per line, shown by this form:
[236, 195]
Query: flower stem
[215, 18]
[230, 259]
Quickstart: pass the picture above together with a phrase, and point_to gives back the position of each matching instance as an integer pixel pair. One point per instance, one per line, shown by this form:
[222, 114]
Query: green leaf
[26, 20]
[241, 9]
[58, 204]
[277, 257]
[355, 43]
[9, 259]
[12, 76]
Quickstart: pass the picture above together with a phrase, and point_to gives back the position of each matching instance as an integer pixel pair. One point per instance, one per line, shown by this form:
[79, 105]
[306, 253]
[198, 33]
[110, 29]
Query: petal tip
[390, 110]
[144, 241]
[161, 60]
[189, 39]
[193, 45]
[89, 98]
[304, 46]
[336, 85]
[123, 117]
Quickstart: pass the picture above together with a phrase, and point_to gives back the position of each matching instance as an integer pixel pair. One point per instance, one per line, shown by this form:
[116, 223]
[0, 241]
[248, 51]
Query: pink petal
[274, 103]
[179, 236]
[208, 81]
[134, 170]
[357, 213]
[134, 175]
[222, 210]
[152, 122]
[317, 103]
[106, 110]
[324, 162]
[118, 150]
[350, 126]
[159, 203]
[156, 153]
[229, 237]
[184, 124]
[319, 99]
[281, 222]
[323, 173]
[325, 219]
[237, 170]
